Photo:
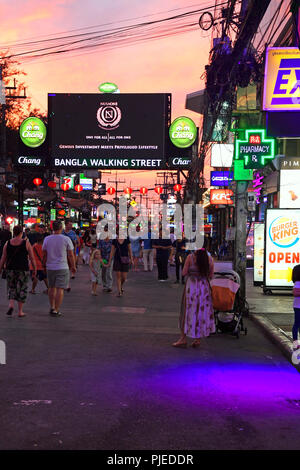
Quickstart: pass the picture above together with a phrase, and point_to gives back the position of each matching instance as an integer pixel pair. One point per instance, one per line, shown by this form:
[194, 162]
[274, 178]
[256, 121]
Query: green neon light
[240, 173]
[255, 158]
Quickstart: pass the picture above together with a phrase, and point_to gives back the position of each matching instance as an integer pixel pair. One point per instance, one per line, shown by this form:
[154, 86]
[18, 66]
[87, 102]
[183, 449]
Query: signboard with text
[259, 238]
[256, 149]
[221, 196]
[282, 246]
[108, 131]
[282, 79]
[221, 178]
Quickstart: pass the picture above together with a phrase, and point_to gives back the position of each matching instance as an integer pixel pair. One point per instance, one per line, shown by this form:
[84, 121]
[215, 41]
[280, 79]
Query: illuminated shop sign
[86, 183]
[240, 174]
[259, 237]
[183, 132]
[256, 149]
[221, 178]
[257, 185]
[30, 161]
[282, 79]
[221, 196]
[282, 246]
[69, 180]
[33, 132]
[289, 189]
[108, 87]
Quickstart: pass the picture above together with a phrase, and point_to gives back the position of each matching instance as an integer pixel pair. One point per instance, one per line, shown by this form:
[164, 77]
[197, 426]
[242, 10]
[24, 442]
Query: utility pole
[3, 126]
[241, 213]
[116, 182]
[3, 157]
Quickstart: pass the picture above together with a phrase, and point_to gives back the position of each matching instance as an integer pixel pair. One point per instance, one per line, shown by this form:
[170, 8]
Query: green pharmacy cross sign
[256, 149]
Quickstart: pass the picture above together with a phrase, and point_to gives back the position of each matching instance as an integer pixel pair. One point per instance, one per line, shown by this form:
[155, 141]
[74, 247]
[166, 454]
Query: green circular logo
[33, 132]
[183, 132]
[108, 87]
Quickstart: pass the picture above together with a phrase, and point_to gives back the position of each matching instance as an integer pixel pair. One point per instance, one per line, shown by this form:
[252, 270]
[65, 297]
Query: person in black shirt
[33, 234]
[163, 254]
[122, 254]
[180, 257]
[5, 235]
[15, 260]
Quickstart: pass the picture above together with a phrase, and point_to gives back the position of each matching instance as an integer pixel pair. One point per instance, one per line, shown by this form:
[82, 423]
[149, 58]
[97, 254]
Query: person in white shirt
[58, 256]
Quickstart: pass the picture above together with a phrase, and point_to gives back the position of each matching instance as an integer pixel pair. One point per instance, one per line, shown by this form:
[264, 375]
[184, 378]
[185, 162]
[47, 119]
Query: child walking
[41, 274]
[96, 267]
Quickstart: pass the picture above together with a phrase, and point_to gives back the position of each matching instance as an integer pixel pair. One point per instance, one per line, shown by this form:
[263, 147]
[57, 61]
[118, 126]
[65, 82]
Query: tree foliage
[16, 109]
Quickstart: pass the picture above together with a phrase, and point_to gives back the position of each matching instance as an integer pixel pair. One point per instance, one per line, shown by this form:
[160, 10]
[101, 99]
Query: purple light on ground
[248, 385]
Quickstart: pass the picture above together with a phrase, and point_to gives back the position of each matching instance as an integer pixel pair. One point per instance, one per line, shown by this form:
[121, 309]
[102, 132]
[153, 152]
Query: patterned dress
[197, 314]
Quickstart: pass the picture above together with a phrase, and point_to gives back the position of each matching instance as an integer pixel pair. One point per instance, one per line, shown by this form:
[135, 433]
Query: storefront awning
[196, 101]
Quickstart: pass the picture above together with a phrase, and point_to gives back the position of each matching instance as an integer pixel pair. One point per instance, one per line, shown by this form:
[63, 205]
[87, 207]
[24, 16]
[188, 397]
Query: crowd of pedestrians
[52, 257]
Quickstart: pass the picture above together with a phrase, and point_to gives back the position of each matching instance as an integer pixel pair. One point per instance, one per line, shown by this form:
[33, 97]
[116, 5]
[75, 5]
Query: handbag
[124, 259]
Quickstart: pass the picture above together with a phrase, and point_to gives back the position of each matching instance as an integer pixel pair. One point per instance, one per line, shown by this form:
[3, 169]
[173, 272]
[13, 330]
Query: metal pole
[241, 213]
[20, 199]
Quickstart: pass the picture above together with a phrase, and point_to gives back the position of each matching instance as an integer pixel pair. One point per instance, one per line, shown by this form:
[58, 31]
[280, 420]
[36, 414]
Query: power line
[118, 37]
[19, 43]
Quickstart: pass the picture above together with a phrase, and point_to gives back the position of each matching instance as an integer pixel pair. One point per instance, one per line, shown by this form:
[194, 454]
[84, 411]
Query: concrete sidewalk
[273, 313]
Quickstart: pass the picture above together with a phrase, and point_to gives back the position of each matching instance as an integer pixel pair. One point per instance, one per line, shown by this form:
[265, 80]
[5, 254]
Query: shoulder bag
[124, 259]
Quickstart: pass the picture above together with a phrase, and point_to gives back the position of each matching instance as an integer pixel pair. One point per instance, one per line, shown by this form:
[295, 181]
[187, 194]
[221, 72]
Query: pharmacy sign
[256, 149]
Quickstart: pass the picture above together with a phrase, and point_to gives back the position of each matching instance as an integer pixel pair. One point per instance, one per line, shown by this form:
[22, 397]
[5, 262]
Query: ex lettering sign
[282, 79]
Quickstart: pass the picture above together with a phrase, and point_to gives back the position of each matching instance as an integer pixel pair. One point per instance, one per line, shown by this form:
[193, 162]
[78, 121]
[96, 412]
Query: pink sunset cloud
[172, 65]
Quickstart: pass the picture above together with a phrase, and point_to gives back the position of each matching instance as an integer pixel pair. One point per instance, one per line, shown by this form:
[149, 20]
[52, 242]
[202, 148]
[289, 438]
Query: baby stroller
[226, 302]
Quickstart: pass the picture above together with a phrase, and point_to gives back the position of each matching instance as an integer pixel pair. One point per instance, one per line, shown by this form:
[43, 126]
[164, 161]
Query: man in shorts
[58, 254]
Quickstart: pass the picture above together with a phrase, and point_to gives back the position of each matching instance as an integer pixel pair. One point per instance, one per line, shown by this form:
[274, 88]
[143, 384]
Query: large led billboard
[282, 246]
[108, 131]
[282, 79]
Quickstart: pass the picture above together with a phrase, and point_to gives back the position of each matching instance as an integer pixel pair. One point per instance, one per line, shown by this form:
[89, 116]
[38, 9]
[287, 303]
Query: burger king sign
[282, 246]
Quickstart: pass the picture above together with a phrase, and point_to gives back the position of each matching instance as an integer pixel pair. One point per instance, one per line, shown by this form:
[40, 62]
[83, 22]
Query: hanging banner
[282, 246]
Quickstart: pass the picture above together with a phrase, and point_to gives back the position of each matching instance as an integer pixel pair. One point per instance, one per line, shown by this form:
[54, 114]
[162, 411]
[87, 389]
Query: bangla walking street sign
[256, 149]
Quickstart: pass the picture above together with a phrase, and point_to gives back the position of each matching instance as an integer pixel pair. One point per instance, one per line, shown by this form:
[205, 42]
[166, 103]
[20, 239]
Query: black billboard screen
[108, 130]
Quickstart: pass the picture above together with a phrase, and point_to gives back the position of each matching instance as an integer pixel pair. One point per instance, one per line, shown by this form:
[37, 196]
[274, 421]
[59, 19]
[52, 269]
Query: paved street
[104, 376]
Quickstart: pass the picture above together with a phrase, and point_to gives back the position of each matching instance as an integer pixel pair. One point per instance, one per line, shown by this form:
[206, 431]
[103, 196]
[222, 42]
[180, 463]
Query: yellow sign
[282, 79]
[281, 274]
[133, 203]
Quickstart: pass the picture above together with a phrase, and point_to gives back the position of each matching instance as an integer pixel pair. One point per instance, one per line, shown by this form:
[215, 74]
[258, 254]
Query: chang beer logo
[33, 132]
[108, 87]
[183, 132]
[284, 232]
